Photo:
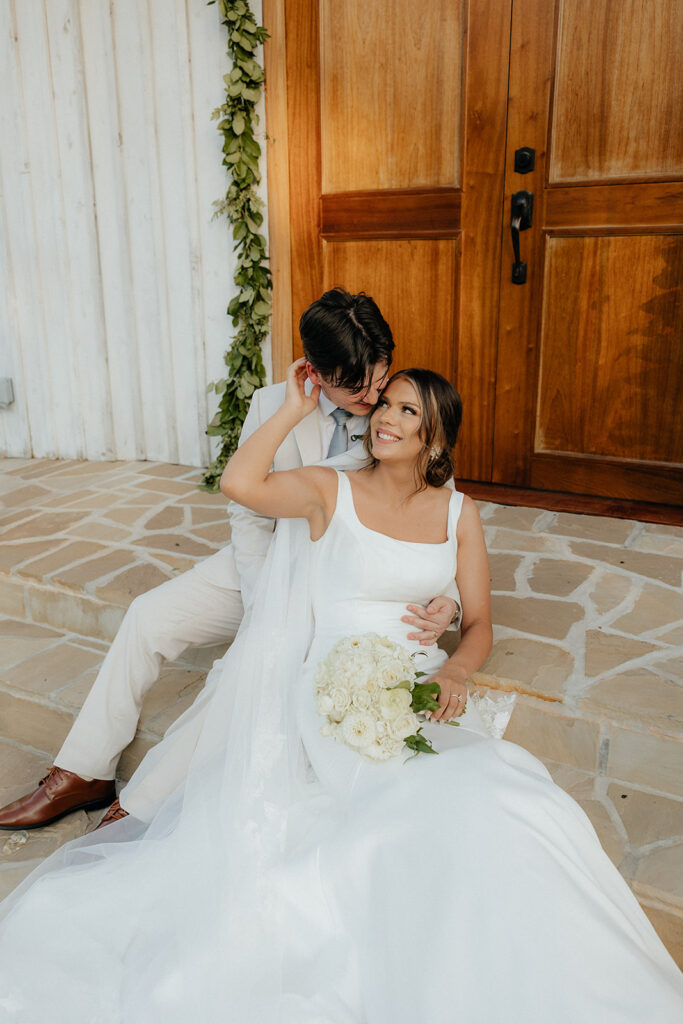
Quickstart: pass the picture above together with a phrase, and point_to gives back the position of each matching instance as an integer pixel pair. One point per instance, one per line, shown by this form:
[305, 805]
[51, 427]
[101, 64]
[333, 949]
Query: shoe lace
[115, 812]
[52, 779]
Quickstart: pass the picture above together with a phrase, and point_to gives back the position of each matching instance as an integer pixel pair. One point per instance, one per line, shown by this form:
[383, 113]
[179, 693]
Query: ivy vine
[250, 307]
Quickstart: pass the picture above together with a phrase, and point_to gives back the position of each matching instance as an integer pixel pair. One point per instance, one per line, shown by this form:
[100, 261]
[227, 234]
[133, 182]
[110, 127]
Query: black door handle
[521, 212]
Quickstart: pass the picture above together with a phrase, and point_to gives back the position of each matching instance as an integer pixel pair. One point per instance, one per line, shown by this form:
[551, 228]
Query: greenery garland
[251, 306]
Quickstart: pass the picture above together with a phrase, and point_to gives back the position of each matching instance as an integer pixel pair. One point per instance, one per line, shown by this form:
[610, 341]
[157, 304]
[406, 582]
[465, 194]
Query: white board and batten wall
[114, 279]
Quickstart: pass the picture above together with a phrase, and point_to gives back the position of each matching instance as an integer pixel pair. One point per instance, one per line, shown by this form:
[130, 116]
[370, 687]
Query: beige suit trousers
[193, 609]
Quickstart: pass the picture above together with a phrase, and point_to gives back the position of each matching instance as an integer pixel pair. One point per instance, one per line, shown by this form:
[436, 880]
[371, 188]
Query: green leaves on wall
[251, 305]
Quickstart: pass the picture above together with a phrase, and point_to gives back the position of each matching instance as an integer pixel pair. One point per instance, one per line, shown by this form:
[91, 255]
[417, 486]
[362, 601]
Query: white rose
[383, 750]
[361, 699]
[358, 729]
[394, 702]
[390, 675]
[360, 677]
[395, 747]
[404, 725]
[324, 704]
[340, 697]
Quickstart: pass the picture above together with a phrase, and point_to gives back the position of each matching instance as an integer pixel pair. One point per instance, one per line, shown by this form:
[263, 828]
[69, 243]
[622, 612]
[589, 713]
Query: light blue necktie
[340, 437]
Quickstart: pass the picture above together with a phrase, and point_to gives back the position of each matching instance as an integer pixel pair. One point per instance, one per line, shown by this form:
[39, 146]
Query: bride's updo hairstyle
[441, 418]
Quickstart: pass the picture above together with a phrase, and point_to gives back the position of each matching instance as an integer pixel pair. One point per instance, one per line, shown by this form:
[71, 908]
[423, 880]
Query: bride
[290, 880]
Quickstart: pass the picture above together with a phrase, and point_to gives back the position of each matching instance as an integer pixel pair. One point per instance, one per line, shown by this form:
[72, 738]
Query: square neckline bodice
[345, 497]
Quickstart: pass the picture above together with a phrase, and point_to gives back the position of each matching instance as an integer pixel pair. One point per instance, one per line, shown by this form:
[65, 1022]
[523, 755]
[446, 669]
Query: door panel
[616, 207]
[611, 372]
[378, 130]
[589, 365]
[618, 93]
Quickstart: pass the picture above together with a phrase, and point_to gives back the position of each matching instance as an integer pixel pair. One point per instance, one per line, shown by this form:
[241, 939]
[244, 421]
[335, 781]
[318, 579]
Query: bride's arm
[477, 633]
[248, 480]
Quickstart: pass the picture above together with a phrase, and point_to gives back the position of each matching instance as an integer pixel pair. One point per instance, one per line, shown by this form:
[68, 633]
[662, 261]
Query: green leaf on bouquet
[419, 744]
[431, 687]
[405, 684]
[424, 697]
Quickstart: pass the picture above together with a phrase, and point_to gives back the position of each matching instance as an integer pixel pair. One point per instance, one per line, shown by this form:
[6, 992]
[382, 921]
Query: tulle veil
[182, 913]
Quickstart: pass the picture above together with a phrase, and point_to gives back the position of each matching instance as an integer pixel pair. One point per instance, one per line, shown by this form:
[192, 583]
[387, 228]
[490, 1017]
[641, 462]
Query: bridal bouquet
[367, 690]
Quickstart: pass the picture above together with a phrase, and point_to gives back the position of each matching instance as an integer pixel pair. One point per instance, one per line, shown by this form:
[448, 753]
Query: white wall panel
[114, 279]
[106, 134]
[80, 266]
[50, 254]
[22, 289]
[19, 291]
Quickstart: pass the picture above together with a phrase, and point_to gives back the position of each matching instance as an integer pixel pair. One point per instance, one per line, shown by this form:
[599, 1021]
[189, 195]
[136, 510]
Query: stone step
[60, 607]
[74, 556]
[47, 674]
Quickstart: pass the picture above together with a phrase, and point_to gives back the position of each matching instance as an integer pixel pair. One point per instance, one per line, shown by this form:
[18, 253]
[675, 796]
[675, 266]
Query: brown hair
[344, 336]
[441, 418]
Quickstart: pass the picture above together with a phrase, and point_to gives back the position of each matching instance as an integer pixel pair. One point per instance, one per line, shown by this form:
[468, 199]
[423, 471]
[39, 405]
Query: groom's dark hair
[344, 336]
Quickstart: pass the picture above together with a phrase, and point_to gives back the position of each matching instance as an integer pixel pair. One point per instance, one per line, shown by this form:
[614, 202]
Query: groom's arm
[251, 533]
[453, 592]
[439, 615]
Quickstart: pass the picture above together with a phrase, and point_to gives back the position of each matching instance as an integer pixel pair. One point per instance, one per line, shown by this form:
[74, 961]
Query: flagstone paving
[588, 616]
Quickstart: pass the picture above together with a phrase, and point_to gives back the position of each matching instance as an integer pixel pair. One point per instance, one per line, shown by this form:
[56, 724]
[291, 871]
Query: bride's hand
[451, 700]
[296, 399]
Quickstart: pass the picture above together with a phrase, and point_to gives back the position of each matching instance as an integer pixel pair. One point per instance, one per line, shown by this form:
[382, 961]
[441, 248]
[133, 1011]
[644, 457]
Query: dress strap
[344, 496]
[454, 510]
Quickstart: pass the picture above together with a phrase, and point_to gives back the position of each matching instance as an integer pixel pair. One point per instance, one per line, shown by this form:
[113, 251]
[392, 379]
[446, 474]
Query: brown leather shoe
[59, 793]
[115, 813]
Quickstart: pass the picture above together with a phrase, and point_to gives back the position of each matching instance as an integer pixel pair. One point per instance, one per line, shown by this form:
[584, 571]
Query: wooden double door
[405, 139]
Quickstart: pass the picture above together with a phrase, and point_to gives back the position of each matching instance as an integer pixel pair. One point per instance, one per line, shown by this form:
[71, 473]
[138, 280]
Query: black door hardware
[522, 209]
[524, 160]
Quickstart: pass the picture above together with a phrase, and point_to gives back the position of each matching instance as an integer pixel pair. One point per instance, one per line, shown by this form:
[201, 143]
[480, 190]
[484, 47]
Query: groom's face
[358, 403]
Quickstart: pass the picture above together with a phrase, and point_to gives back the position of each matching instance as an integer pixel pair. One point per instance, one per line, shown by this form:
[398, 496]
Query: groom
[349, 347]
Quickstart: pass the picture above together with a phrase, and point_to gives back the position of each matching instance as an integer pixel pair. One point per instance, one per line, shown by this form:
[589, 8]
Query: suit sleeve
[251, 533]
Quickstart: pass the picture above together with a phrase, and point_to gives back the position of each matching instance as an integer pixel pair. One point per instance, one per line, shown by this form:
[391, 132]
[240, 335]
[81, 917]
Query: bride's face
[395, 424]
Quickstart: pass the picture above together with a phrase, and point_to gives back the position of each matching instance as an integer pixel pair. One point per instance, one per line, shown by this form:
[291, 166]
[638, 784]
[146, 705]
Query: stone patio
[589, 633]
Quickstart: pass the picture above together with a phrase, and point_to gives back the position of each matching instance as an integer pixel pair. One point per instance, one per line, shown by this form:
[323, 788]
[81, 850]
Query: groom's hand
[430, 622]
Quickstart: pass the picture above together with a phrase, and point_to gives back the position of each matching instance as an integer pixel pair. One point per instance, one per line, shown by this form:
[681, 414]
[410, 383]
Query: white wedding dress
[290, 881]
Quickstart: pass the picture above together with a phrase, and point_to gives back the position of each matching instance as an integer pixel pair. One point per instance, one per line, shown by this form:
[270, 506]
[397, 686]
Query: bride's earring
[434, 452]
